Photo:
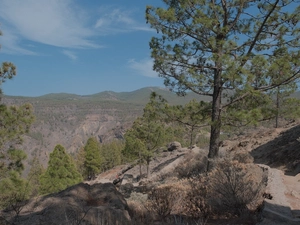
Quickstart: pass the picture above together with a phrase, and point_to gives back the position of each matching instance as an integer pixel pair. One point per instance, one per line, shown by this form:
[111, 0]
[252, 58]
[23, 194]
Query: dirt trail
[292, 193]
[278, 151]
[280, 206]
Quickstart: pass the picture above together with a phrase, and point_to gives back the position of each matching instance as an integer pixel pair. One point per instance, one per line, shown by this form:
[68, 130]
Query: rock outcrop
[175, 145]
[79, 204]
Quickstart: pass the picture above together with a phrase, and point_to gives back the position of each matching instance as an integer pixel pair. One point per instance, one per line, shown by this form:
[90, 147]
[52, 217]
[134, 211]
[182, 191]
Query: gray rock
[79, 204]
[175, 145]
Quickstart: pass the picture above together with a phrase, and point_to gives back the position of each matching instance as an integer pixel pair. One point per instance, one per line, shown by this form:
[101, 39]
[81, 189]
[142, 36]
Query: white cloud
[51, 22]
[117, 20]
[9, 44]
[70, 54]
[143, 67]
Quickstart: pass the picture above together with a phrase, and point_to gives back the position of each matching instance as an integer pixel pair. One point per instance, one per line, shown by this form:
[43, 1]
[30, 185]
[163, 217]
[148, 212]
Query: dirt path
[278, 151]
[292, 193]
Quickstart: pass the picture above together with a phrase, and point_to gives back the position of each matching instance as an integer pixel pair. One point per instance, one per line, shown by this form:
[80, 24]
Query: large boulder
[79, 204]
[175, 145]
[126, 189]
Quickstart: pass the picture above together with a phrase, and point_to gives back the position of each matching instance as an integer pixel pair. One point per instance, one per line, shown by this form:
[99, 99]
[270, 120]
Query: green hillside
[137, 97]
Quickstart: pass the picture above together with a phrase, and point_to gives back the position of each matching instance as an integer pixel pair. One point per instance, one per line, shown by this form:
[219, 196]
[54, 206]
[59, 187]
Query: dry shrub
[196, 199]
[160, 201]
[179, 190]
[242, 157]
[236, 187]
[192, 165]
[139, 214]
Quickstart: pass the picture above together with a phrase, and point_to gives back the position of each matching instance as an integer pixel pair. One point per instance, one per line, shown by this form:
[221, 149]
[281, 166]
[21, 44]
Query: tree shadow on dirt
[280, 214]
[283, 151]
[164, 164]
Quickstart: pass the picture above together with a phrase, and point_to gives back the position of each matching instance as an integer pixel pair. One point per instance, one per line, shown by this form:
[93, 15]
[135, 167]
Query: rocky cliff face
[71, 122]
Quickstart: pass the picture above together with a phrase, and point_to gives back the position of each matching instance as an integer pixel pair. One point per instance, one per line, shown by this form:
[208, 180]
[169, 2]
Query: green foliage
[248, 111]
[79, 161]
[147, 133]
[15, 157]
[34, 174]
[285, 106]
[290, 108]
[95, 157]
[111, 154]
[14, 122]
[61, 172]
[92, 162]
[14, 190]
[226, 48]
[7, 71]
[133, 147]
[192, 116]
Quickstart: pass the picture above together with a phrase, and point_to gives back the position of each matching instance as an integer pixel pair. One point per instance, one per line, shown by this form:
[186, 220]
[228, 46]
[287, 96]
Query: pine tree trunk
[191, 138]
[148, 168]
[215, 119]
[277, 108]
[215, 128]
[140, 163]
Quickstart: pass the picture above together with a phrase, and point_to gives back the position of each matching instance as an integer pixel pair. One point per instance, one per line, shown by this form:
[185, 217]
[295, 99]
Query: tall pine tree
[92, 162]
[147, 133]
[61, 172]
[222, 47]
[14, 122]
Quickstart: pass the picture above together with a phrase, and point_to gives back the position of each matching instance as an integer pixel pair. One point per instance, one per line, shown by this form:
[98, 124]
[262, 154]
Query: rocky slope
[80, 204]
[87, 201]
[276, 151]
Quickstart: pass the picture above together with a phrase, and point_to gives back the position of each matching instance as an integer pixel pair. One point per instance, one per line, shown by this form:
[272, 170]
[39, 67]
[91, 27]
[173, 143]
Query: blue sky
[76, 46]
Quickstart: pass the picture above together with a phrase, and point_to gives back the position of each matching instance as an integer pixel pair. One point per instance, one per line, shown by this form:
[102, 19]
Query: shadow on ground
[282, 152]
[280, 214]
[164, 164]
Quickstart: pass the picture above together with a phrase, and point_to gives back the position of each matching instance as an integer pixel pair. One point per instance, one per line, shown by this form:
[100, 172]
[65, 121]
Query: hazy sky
[76, 46]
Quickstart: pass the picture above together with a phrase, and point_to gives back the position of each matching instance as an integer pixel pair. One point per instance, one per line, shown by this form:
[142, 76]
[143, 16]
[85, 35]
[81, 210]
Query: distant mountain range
[139, 96]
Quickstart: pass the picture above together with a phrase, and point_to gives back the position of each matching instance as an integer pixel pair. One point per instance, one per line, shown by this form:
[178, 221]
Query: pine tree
[92, 162]
[284, 105]
[7, 71]
[111, 154]
[60, 174]
[33, 176]
[79, 161]
[225, 49]
[14, 190]
[14, 122]
[193, 116]
[147, 133]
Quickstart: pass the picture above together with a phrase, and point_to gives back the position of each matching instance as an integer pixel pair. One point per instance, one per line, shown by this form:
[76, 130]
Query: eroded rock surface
[79, 204]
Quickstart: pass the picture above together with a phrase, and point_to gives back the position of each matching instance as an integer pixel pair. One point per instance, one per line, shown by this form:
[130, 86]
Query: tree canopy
[14, 122]
[92, 162]
[61, 172]
[147, 133]
[228, 50]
